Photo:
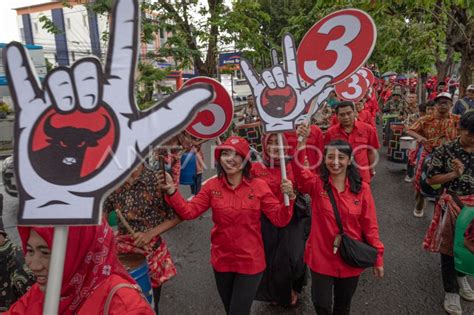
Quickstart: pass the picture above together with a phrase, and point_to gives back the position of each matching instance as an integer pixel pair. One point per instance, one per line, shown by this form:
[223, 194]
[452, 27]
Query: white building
[81, 31]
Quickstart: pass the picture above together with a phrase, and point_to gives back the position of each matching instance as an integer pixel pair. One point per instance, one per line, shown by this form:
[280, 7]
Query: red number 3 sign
[337, 45]
[353, 88]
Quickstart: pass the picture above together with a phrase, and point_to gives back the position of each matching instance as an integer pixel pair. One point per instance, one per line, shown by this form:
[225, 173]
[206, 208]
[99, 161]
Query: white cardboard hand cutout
[61, 182]
[279, 96]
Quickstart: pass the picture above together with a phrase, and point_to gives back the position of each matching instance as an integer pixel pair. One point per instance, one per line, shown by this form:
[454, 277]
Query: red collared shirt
[314, 145]
[236, 239]
[366, 116]
[272, 176]
[359, 222]
[362, 138]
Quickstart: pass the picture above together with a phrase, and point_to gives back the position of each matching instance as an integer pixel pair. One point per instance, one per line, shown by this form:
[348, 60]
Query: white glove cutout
[279, 96]
[81, 134]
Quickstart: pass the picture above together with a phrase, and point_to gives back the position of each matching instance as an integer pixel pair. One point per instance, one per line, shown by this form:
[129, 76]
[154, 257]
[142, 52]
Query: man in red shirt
[363, 113]
[362, 137]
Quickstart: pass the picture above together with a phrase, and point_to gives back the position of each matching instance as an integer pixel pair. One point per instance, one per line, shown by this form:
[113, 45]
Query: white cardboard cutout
[56, 114]
[278, 93]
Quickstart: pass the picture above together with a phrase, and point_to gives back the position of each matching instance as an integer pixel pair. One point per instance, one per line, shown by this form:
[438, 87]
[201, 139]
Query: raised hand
[279, 95]
[81, 133]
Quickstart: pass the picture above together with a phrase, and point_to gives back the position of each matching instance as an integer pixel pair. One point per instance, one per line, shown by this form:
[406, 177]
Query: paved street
[412, 283]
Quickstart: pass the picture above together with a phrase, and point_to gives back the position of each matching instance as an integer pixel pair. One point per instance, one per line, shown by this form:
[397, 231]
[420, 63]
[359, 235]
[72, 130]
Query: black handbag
[354, 253]
[302, 205]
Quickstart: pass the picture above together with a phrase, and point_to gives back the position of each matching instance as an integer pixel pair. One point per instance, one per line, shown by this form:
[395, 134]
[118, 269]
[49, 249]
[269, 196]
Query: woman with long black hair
[353, 198]
[237, 202]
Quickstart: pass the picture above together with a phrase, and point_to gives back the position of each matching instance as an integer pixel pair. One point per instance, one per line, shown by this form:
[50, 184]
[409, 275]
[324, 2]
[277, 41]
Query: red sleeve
[276, 211]
[318, 136]
[304, 178]
[194, 208]
[368, 222]
[26, 304]
[373, 138]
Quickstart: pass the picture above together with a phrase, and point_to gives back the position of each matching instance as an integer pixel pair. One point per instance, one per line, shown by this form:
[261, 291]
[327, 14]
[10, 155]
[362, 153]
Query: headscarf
[90, 259]
[268, 161]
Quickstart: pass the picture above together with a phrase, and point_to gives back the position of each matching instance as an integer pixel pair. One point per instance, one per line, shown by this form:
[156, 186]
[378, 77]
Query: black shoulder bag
[354, 253]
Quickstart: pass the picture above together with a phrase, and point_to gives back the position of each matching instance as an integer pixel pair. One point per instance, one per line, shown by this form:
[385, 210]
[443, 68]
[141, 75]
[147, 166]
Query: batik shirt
[15, 278]
[141, 203]
[436, 130]
[441, 163]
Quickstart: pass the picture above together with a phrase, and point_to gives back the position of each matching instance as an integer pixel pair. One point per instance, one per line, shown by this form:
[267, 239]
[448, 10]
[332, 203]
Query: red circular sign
[337, 45]
[214, 118]
[352, 89]
[368, 75]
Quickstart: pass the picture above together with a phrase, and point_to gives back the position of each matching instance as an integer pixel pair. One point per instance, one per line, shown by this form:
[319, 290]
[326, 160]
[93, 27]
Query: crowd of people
[270, 233]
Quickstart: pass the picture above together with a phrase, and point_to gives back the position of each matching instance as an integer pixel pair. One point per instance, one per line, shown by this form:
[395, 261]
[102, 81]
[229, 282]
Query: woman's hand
[303, 132]
[287, 188]
[378, 272]
[166, 182]
[143, 239]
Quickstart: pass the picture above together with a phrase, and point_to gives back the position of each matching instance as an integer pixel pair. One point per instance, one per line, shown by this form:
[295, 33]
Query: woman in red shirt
[92, 274]
[284, 247]
[357, 210]
[237, 202]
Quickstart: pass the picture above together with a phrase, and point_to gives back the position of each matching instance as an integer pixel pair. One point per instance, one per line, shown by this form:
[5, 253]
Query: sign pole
[281, 152]
[55, 277]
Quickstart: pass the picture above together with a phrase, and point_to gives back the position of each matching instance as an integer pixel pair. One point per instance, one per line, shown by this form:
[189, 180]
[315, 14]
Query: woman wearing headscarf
[237, 201]
[284, 276]
[94, 281]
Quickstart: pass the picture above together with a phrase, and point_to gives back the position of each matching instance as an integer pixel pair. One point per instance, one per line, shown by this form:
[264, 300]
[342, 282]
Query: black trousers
[237, 291]
[449, 274]
[322, 287]
[156, 297]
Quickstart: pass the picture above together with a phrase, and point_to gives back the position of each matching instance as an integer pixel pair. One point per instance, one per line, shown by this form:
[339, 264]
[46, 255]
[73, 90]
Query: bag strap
[114, 290]
[336, 211]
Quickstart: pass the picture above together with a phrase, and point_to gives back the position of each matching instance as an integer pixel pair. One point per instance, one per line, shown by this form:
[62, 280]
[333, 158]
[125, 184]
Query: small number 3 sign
[337, 45]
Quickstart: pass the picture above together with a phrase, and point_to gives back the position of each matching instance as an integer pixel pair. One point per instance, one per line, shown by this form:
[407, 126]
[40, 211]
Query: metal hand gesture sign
[81, 133]
[279, 96]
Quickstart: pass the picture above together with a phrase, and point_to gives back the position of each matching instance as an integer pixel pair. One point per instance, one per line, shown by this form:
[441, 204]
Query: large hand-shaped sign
[81, 134]
[337, 45]
[279, 96]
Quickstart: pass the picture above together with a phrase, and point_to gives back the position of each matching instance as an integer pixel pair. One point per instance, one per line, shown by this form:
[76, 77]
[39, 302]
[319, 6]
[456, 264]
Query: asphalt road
[412, 283]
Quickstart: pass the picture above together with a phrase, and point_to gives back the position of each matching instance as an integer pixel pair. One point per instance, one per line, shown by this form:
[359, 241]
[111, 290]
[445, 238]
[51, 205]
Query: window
[84, 20]
[35, 25]
[68, 23]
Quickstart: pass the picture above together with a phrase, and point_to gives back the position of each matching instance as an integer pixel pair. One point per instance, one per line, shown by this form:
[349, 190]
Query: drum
[137, 267]
[407, 143]
[188, 168]
[463, 257]
[386, 131]
[252, 133]
[425, 189]
[395, 153]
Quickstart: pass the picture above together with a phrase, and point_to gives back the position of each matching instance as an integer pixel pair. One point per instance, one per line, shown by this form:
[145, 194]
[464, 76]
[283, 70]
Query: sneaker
[452, 304]
[465, 290]
[408, 179]
[418, 213]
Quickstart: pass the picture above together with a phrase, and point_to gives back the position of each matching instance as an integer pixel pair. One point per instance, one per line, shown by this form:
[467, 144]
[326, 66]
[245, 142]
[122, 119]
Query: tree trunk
[215, 7]
[442, 67]
[466, 70]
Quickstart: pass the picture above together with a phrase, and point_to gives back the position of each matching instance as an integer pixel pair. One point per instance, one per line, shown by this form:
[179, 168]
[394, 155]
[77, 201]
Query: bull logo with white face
[81, 133]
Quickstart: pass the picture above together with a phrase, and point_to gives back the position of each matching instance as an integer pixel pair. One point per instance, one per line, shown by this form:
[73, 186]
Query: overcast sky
[9, 28]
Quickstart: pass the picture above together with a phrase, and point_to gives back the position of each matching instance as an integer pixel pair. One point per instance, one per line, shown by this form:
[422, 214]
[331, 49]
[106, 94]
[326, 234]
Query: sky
[9, 28]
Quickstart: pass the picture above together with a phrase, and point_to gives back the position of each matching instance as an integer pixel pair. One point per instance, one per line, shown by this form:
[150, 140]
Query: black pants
[196, 187]
[322, 287]
[449, 274]
[156, 297]
[237, 291]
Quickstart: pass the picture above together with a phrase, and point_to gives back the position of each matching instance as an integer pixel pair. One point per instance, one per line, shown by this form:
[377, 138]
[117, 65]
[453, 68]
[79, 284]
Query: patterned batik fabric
[15, 277]
[441, 163]
[440, 234]
[438, 131]
[160, 264]
[141, 203]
